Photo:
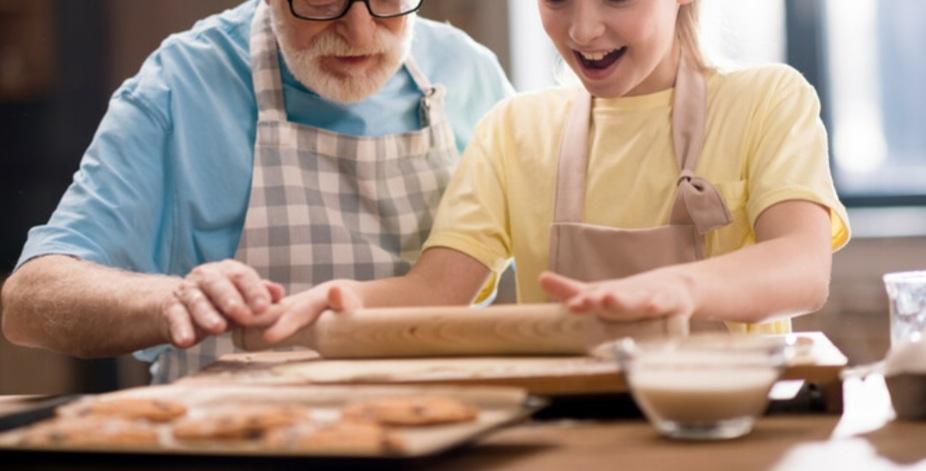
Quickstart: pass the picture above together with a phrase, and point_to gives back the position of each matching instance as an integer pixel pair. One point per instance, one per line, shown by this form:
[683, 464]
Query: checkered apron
[325, 205]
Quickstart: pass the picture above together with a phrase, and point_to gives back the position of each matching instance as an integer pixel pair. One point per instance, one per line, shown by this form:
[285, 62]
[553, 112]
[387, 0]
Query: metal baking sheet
[498, 407]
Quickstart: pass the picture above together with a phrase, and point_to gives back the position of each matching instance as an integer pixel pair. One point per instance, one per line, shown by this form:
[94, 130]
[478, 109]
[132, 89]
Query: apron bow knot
[703, 202]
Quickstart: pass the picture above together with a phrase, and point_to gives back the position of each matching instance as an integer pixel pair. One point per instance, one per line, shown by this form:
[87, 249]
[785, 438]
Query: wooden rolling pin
[517, 329]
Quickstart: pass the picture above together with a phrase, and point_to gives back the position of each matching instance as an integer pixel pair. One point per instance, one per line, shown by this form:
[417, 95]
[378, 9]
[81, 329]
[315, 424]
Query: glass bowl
[706, 386]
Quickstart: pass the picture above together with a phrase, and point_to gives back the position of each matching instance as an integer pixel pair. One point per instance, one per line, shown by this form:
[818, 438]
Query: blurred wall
[856, 316]
[45, 129]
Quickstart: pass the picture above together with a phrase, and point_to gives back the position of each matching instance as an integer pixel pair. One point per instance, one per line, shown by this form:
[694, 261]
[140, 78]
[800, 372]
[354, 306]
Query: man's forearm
[84, 309]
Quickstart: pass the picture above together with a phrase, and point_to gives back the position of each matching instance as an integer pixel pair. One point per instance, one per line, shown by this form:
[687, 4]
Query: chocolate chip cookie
[90, 431]
[345, 437]
[152, 410]
[246, 422]
[412, 411]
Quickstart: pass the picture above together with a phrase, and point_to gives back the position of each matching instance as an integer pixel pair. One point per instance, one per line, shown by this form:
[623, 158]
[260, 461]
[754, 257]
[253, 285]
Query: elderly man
[223, 163]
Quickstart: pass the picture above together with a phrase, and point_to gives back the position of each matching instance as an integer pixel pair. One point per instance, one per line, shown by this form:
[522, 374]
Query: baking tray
[33, 409]
[498, 407]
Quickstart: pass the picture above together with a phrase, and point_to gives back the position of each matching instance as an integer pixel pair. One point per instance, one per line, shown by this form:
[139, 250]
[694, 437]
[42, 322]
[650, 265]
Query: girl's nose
[586, 25]
[358, 26]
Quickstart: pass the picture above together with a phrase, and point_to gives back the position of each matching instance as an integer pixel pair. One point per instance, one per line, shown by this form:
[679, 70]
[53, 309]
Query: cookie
[340, 438]
[90, 431]
[412, 411]
[246, 422]
[152, 410]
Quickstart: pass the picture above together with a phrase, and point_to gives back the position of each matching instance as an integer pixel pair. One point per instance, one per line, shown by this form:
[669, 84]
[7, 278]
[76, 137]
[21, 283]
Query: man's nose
[586, 22]
[358, 26]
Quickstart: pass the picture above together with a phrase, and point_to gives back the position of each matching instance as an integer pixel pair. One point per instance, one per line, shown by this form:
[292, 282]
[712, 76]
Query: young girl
[661, 187]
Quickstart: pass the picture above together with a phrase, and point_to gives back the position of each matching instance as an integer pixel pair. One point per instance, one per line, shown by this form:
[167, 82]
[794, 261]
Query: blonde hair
[687, 29]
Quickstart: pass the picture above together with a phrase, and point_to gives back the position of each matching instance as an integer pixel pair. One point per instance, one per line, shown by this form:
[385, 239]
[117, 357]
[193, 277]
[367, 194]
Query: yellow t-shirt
[765, 143]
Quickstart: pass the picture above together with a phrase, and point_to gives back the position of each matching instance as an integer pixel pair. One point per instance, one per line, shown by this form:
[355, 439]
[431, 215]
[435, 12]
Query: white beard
[306, 63]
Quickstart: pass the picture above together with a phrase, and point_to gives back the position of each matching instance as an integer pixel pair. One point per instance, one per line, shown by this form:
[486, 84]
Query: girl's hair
[686, 27]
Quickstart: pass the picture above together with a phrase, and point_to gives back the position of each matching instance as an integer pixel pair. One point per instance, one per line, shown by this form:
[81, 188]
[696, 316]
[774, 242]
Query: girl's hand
[653, 294]
[303, 309]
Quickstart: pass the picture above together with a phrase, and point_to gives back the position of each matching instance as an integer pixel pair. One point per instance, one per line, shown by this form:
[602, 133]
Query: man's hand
[214, 294]
[648, 295]
[303, 309]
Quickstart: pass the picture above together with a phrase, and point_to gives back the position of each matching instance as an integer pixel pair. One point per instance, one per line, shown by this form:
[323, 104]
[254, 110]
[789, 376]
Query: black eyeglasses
[326, 10]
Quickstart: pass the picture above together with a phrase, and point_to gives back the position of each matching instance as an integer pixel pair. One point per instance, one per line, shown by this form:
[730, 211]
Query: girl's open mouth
[597, 63]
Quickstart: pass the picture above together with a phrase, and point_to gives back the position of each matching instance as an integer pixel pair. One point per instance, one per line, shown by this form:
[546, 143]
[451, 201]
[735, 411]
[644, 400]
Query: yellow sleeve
[473, 213]
[789, 159]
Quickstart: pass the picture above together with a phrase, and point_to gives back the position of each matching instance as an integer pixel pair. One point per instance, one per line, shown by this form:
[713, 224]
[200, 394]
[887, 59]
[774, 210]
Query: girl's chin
[609, 89]
[601, 83]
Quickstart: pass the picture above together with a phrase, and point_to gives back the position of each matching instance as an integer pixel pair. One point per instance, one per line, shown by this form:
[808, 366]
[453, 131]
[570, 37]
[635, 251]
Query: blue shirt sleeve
[114, 210]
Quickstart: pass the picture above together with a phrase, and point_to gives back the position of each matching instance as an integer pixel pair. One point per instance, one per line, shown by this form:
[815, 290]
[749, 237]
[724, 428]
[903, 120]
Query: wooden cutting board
[817, 361]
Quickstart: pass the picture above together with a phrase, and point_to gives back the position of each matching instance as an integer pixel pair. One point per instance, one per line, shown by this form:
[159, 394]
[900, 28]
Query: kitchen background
[61, 59]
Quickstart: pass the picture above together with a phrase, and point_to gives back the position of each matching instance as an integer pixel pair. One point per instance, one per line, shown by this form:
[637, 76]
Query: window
[534, 60]
[877, 94]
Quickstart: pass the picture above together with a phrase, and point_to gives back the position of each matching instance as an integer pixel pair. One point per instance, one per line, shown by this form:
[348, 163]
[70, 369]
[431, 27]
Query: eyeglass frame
[350, 4]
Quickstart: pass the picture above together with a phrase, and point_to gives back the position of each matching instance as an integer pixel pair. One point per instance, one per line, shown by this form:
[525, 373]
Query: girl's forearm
[783, 277]
[442, 276]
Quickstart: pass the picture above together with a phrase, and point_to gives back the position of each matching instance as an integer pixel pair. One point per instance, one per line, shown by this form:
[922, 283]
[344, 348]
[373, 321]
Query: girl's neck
[662, 77]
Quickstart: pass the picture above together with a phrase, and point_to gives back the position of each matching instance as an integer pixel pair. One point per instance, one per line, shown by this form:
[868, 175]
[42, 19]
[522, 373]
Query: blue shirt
[164, 185]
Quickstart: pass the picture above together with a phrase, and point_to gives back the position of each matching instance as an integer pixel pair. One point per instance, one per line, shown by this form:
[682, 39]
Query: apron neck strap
[689, 111]
[265, 67]
[432, 96]
[573, 158]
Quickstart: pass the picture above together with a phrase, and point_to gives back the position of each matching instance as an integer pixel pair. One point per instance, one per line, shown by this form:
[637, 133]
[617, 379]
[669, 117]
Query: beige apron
[590, 252]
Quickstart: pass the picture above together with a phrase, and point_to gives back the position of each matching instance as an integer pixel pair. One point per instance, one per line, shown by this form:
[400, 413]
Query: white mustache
[330, 43]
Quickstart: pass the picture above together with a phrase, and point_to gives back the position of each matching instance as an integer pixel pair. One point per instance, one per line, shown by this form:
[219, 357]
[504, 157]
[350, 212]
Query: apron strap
[569, 205]
[697, 201]
[689, 111]
[430, 110]
[265, 68]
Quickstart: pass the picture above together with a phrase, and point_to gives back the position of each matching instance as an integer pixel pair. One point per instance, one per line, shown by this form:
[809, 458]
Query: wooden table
[864, 437]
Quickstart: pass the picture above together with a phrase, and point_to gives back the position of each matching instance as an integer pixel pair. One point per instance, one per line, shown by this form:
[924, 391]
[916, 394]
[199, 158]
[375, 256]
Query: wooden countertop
[865, 436]
[786, 442]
